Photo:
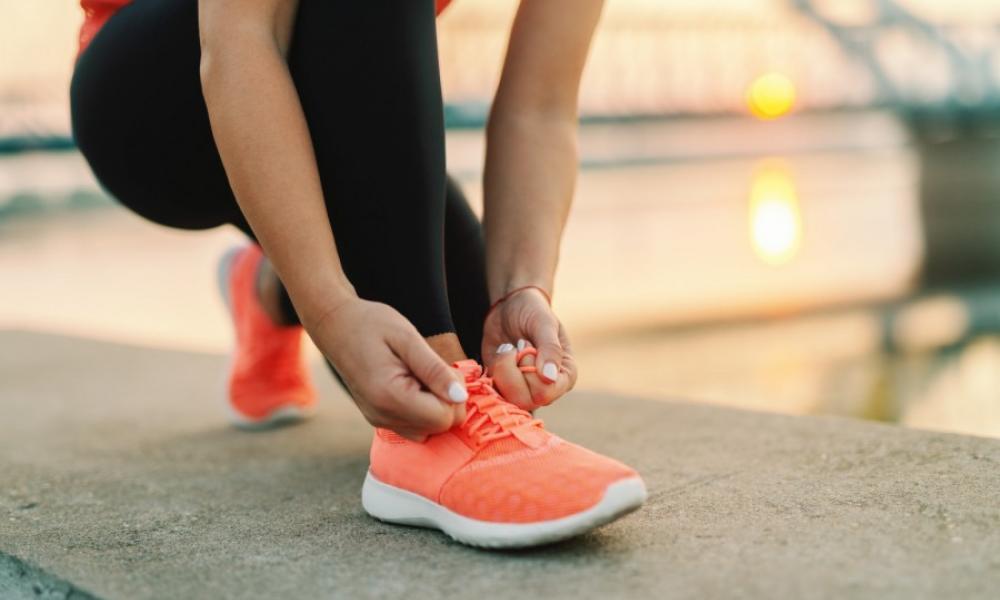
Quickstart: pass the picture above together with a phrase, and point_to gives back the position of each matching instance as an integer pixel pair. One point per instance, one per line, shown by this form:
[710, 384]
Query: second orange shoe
[268, 382]
[498, 480]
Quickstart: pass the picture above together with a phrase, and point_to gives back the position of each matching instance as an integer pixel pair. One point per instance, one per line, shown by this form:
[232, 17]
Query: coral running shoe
[498, 480]
[268, 382]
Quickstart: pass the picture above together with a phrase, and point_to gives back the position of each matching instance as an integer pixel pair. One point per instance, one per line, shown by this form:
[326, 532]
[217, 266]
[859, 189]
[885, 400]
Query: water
[777, 267]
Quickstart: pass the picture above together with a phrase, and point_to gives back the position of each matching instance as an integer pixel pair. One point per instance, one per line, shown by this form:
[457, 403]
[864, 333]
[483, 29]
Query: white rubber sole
[394, 505]
[285, 415]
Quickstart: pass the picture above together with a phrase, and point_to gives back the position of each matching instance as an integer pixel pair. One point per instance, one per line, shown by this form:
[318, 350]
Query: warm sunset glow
[775, 221]
[771, 96]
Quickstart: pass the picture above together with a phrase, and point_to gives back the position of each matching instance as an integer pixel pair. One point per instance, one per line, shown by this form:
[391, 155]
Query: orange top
[97, 12]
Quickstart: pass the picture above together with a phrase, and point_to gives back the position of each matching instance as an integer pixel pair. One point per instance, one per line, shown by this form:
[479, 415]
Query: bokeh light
[770, 96]
[775, 218]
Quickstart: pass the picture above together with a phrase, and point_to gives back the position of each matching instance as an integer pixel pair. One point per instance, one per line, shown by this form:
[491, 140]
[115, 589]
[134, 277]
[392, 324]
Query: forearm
[529, 181]
[531, 157]
[264, 142]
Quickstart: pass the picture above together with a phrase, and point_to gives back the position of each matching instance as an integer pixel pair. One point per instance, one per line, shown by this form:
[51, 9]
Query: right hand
[395, 378]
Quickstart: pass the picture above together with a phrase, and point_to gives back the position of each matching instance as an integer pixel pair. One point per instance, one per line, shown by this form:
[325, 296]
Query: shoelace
[488, 416]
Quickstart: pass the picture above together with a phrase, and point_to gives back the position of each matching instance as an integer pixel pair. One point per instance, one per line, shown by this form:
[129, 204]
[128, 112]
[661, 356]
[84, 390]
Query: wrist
[515, 261]
[526, 289]
[323, 309]
[505, 286]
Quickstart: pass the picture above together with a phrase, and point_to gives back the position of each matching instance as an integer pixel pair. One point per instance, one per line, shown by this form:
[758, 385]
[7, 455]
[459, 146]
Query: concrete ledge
[120, 476]
[20, 581]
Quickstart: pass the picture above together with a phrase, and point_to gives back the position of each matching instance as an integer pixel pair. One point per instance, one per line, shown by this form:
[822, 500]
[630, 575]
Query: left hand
[527, 316]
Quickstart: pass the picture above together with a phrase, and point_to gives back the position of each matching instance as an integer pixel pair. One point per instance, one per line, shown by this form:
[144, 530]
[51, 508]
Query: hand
[527, 316]
[389, 369]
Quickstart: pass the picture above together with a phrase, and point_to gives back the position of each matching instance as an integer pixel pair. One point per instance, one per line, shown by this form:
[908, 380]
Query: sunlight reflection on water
[775, 220]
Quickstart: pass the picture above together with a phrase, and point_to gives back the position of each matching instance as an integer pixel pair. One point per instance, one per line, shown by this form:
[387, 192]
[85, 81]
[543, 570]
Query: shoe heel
[222, 272]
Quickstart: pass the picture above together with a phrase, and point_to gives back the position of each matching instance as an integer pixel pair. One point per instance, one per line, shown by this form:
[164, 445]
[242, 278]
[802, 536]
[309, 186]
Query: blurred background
[784, 205]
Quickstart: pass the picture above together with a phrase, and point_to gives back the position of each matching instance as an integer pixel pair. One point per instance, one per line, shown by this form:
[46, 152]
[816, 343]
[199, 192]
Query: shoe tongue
[519, 429]
[500, 413]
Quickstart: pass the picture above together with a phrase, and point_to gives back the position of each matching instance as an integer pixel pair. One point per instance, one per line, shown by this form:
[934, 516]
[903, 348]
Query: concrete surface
[120, 480]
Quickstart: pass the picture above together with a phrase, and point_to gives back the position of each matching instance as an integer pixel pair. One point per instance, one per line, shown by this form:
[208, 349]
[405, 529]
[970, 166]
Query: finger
[508, 378]
[418, 430]
[458, 414]
[525, 359]
[422, 413]
[570, 371]
[429, 368]
[381, 419]
[569, 363]
[542, 392]
[411, 435]
[527, 364]
[550, 350]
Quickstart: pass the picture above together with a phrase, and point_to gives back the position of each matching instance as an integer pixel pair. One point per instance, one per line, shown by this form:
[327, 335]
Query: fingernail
[505, 348]
[550, 371]
[457, 392]
[521, 344]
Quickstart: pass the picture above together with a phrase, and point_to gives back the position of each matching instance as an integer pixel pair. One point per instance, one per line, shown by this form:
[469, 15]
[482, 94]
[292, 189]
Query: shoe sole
[286, 415]
[394, 505]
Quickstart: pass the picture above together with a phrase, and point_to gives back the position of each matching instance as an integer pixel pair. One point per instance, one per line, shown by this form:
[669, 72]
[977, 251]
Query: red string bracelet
[505, 297]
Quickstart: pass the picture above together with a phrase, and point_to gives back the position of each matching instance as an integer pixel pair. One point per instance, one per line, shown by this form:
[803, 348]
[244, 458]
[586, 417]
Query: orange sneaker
[268, 382]
[498, 480]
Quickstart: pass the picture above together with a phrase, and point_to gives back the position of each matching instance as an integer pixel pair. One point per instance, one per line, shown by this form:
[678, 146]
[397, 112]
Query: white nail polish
[457, 392]
[521, 344]
[550, 371]
[505, 348]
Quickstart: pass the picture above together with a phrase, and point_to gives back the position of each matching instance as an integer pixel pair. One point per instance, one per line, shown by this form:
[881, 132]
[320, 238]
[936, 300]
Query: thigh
[367, 77]
[140, 120]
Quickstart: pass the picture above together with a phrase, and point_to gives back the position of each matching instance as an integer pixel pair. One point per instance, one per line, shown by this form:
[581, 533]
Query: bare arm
[531, 141]
[263, 139]
[531, 164]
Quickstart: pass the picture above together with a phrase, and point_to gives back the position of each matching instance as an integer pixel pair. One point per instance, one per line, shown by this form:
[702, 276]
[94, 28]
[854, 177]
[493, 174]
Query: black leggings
[367, 76]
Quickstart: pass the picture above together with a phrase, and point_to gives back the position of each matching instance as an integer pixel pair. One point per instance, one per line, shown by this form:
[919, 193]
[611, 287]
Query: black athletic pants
[366, 72]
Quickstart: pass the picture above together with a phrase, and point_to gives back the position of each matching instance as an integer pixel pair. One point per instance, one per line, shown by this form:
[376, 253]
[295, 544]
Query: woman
[316, 127]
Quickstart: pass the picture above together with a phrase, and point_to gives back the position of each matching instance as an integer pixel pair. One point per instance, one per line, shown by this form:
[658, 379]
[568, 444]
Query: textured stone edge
[19, 579]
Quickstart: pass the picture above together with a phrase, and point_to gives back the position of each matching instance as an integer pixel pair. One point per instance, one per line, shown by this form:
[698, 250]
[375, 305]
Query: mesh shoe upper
[511, 470]
[267, 369]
